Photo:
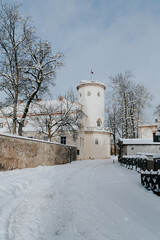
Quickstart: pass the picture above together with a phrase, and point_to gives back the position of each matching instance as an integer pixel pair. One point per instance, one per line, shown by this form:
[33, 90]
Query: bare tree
[27, 65]
[157, 111]
[14, 31]
[130, 100]
[58, 117]
[39, 72]
[113, 117]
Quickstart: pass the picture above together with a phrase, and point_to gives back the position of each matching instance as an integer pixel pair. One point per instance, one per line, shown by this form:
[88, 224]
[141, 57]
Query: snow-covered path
[84, 200]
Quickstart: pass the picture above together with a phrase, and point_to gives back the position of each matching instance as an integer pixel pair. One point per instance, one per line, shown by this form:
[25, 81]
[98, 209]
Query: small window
[132, 148]
[89, 93]
[78, 152]
[98, 123]
[46, 138]
[96, 141]
[63, 140]
[98, 94]
[80, 94]
[1, 125]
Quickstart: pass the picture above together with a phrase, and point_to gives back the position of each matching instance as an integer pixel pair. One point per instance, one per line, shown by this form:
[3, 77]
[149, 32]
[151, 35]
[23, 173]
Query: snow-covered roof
[138, 141]
[157, 133]
[37, 107]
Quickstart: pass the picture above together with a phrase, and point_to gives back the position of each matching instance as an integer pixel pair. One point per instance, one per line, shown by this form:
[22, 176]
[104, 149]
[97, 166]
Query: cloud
[103, 35]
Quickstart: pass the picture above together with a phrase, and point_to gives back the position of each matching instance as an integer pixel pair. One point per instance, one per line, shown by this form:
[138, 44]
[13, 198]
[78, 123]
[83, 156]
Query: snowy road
[84, 200]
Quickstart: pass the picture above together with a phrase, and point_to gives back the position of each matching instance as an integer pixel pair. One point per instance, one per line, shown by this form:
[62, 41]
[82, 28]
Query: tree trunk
[126, 120]
[49, 134]
[15, 116]
[21, 123]
[115, 147]
[20, 128]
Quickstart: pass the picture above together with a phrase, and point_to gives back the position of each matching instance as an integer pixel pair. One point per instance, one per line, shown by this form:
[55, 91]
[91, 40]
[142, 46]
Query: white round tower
[95, 138]
[91, 96]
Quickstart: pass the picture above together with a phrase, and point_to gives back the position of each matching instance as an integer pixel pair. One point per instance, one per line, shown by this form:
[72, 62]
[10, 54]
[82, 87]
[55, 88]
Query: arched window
[99, 122]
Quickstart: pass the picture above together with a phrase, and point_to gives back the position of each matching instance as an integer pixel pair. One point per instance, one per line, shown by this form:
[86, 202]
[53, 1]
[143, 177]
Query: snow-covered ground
[84, 200]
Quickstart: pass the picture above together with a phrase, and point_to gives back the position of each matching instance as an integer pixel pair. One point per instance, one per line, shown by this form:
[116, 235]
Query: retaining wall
[20, 152]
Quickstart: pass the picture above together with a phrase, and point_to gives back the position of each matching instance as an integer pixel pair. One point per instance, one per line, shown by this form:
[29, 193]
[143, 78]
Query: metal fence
[151, 181]
[156, 164]
[139, 163]
[149, 169]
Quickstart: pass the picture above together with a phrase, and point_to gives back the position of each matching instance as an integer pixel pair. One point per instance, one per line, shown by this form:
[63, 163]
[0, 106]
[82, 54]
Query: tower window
[96, 141]
[98, 94]
[98, 122]
[63, 139]
[80, 94]
[89, 93]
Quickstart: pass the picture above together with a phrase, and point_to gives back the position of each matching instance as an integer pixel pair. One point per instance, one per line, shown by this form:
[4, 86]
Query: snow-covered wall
[133, 149]
[20, 152]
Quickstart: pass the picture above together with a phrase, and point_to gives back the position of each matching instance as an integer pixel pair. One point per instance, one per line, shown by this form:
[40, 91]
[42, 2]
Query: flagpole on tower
[91, 74]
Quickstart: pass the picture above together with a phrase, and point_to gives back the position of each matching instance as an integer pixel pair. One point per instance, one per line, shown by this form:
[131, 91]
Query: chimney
[60, 98]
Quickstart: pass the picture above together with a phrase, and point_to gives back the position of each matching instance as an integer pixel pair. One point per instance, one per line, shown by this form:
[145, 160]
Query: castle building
[93, 139]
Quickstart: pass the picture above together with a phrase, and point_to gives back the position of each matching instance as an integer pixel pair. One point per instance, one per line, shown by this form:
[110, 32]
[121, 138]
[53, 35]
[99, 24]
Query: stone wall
[20, 152]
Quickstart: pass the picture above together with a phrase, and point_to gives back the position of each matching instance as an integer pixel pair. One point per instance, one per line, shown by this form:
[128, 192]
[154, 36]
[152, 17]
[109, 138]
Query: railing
[107, 129]
[156, 164]
[139, 163]
[151, 181]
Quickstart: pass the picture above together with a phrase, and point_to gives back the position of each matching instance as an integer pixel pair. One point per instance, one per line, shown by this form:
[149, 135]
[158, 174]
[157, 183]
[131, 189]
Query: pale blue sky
[108, 36]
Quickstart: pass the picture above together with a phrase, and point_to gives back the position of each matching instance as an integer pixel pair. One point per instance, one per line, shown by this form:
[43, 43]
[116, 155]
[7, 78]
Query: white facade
[95, 137]
[147, 130]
